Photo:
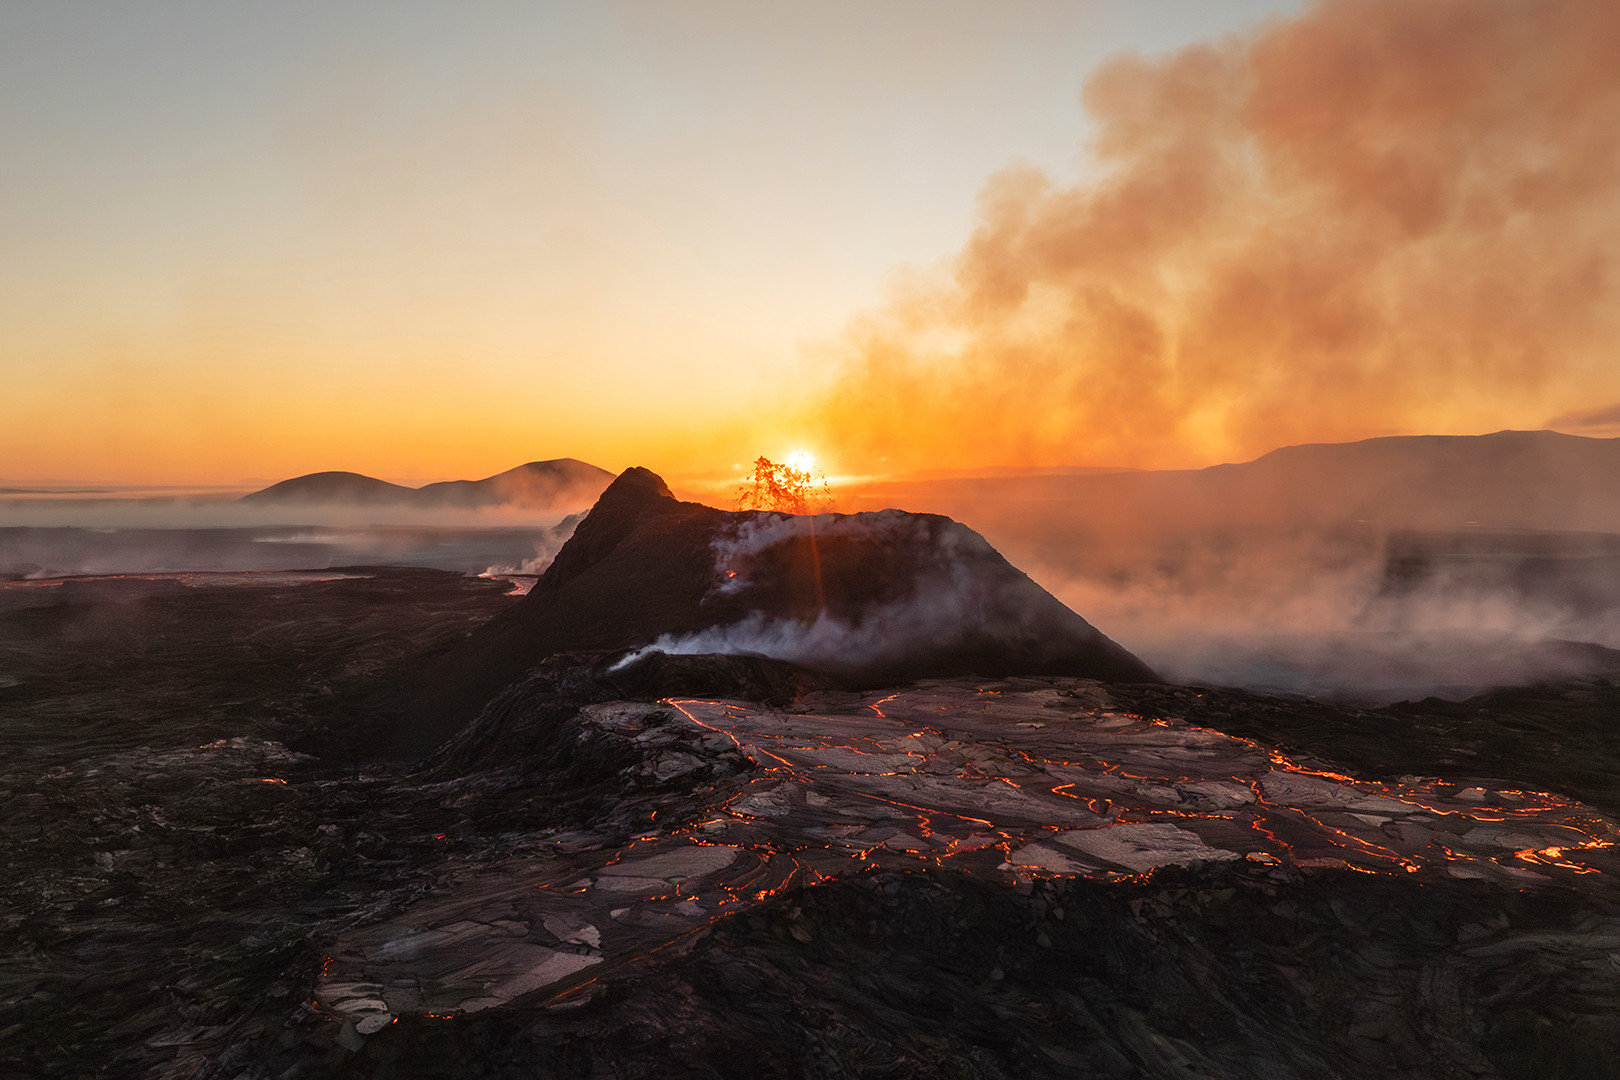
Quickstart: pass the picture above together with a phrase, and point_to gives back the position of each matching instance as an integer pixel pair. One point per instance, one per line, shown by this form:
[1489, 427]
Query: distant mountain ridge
[534, 485]
[1505, 480]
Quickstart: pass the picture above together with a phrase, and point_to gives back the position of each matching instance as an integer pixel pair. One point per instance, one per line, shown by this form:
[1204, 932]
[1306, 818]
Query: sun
[793, 486]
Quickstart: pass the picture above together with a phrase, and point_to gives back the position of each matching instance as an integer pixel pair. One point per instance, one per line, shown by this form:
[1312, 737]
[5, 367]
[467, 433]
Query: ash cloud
[1381, 215]
[1599, 421]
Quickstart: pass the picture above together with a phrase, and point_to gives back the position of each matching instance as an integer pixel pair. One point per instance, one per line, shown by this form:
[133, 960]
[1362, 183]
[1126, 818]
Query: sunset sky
[240, 242]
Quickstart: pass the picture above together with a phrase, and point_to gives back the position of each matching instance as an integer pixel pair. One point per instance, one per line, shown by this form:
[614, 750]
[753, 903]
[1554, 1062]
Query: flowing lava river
[1019, 783]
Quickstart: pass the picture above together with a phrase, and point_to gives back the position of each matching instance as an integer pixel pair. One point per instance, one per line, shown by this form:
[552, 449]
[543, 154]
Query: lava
[795, 486]
[937, 776]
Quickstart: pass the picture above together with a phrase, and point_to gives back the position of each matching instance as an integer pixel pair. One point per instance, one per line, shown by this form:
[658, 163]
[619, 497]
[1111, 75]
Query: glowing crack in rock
[1007, 782]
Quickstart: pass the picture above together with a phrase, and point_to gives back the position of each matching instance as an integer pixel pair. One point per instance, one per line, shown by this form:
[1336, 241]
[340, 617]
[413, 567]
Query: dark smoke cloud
[1588, 421]
[1383, 215]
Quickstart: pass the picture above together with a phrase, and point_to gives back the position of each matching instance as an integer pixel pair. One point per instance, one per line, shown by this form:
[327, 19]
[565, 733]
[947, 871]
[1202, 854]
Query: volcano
[866, 599]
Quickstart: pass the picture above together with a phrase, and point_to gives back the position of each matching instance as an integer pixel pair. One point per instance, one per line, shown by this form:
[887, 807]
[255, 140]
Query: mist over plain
[1376, 570]
[510, 523]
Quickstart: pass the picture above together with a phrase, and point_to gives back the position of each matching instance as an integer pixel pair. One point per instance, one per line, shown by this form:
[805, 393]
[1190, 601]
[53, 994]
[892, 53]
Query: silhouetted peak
[564, 483]
[635, 499]
[331, 486]
[637, 485]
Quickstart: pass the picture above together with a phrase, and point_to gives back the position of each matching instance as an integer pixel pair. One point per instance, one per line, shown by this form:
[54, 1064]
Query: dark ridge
[643, 566]
[1540, 480]
[537, 483]
[345, 487]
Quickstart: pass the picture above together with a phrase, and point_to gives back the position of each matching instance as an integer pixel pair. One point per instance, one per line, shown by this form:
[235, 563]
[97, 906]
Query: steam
[546, 547]
[1333, 613]
[764, 531]
[949, 597]
[1375, 571]
[887, 634]
[544, 553]
[1382, 215]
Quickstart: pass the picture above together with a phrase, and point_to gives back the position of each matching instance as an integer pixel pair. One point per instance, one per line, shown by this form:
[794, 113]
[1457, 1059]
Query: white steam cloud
[949, 597]
[546, 547]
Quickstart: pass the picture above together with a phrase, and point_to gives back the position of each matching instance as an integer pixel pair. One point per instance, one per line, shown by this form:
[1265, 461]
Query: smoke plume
[1382, 215]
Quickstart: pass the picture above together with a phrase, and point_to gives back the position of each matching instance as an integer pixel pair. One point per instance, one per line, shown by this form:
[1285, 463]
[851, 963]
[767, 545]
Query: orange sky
[1379, 217]
[423, 241]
